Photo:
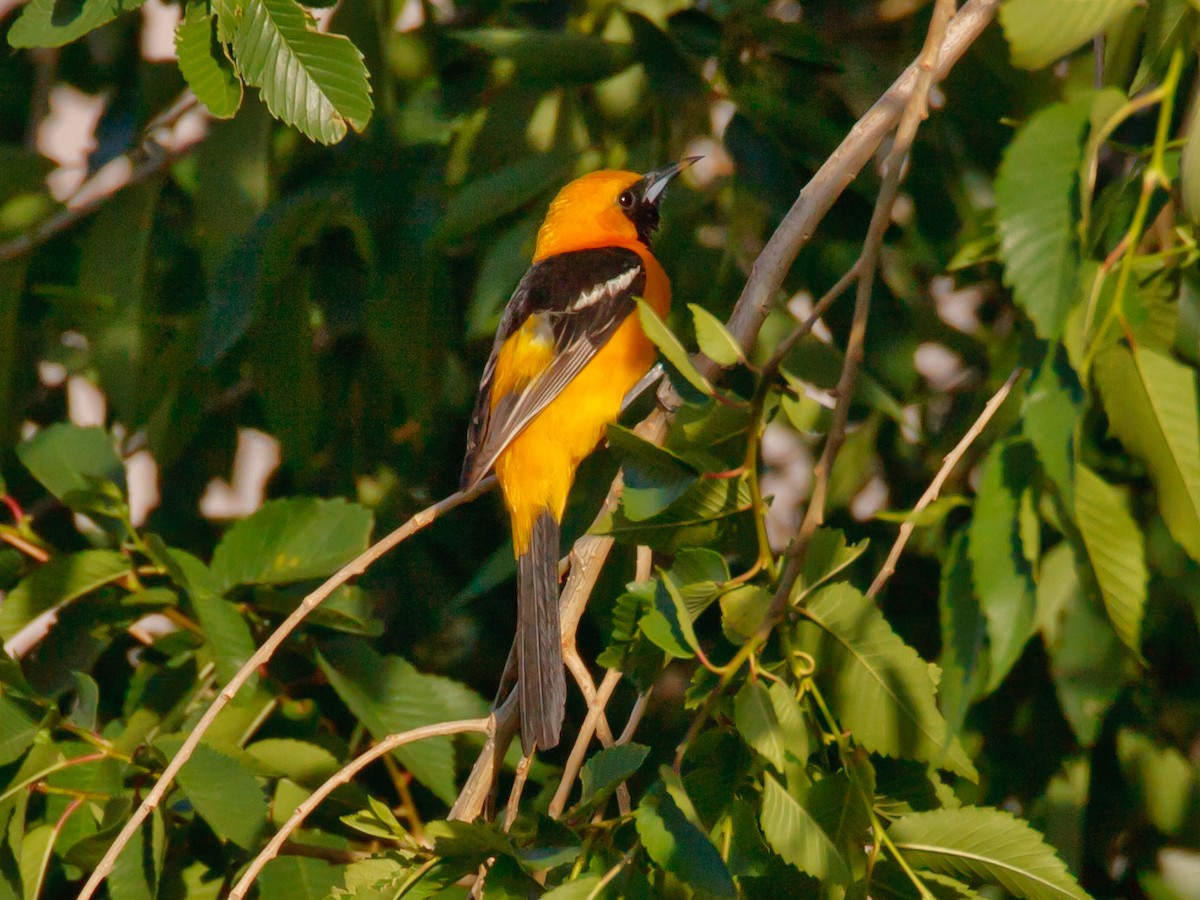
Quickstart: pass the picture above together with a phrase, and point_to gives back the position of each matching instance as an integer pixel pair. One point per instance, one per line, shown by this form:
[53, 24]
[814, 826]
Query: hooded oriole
[567, 350]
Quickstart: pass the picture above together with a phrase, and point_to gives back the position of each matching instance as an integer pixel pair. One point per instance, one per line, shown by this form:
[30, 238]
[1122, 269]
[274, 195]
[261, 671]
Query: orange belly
[536, 470]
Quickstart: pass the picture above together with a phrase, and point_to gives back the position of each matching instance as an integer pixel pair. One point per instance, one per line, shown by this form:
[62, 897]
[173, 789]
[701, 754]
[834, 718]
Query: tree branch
[343, 776]
[935, 487]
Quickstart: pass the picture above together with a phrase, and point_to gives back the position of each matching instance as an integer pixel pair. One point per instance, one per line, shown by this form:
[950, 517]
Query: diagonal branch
[343, 776]
[935, 487]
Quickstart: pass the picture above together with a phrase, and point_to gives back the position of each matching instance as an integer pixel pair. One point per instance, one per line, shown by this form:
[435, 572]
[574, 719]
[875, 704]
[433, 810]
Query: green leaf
[704, 515]
[794, 834]
[669, 624]
[680, 847]
[17, 731]
[298, 878]
[203, 62]
[388, 695]
[226, 795]
[312, 80]
[294, 539]
[605, 770]
[743, 611]
[1162, 777]
[1050, 413]
[227, 633]
[1117, 552]
[754, 716]
[302, 762]
[877, 685]
[52, 23]
[673, 351]
[654, 478]
[1036, 216]
[985, 844]
[1041, 31]
[66, 577]
[69, 460]
[484, 200]
[554, 56]
[1086, 661]
[1153, 408]
[828, 555]
[1189, 161]
[964, 659]
[999, 556]
[714, 338]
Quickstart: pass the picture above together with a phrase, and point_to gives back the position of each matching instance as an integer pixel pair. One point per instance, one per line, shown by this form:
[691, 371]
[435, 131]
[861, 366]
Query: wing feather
[585, 296]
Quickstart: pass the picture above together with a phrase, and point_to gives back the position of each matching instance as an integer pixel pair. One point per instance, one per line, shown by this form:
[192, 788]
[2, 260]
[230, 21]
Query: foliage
[1015, 709]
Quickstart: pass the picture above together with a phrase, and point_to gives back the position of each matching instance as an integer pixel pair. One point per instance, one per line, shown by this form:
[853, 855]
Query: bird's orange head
[609, 208]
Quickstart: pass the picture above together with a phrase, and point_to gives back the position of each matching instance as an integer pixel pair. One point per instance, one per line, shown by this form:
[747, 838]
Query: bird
[568, 347]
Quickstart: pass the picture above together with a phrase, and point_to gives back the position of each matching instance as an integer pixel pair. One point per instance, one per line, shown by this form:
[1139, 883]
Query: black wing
[582, 296]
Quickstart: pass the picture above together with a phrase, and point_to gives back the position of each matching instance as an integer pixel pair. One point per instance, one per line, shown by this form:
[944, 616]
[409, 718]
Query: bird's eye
[625, 201]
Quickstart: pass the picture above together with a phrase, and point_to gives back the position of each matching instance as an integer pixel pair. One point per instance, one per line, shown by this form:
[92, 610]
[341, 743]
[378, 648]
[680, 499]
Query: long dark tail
[542, 685]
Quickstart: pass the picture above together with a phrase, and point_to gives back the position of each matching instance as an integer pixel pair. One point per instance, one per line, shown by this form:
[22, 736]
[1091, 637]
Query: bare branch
[355, 567]
[575, 761]
[915, 110]
[935, 487]
[343, 776]
[145, 161]
[836, 174]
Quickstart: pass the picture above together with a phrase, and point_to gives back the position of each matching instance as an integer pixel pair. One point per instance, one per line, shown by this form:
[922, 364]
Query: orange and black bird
[568, 348]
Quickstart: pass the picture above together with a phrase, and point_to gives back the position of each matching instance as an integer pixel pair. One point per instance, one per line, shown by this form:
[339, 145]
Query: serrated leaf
[654, 477]
[64, 578]
[388, 695]
[69, 460]
[298, 878]
[17, 730]
[1035, 214]
[743, 611]
[985, 844]
[714, 339]
[1153, 408]
[1050, 412]
[52, 23]
[203, 63]
[312, 80]
[1003, 576]
[605, 770]
[877, 685]
[289, 540]
[1041, 31]
[795, 835]
[226, 795]
[302, 762]
[1116, 549]
[701, 516]
[680, 847]
[227, 633]
[671, 349]
[828, 555]
[964, 659]
[757, 723]
[1086, 662]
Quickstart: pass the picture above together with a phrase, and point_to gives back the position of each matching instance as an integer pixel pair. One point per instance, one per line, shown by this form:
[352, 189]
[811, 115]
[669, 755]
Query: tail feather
[542, 684]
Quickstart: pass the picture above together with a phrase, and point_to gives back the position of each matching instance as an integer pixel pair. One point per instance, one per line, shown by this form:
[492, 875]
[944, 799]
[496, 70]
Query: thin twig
[575, 761]
[145, 160]
[835, 175]
[915, 110]
[352, 569]
[514, 796]
[935, 487]
[343, 776]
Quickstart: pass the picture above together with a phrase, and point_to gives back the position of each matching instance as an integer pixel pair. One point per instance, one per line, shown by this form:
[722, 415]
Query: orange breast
[536, 470]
